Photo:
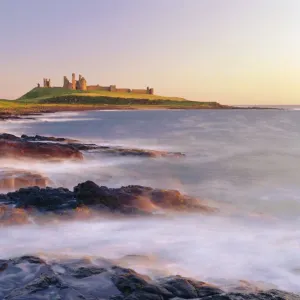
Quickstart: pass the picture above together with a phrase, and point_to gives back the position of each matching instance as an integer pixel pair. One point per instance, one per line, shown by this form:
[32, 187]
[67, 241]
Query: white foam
[207, 248]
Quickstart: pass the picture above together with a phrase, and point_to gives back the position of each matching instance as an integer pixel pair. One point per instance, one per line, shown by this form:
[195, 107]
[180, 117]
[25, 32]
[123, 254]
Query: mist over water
[246, 163]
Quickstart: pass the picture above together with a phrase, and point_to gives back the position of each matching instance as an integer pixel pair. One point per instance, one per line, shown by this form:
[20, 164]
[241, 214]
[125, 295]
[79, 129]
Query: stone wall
[139, 91]
[97, 88]
[122, 90]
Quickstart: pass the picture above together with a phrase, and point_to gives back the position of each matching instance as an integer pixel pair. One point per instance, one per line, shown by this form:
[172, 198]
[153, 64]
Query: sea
[246, 163]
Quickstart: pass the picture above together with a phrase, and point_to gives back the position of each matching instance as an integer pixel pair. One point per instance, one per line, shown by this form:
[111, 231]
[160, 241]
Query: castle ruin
[81, 85]
[47, 83]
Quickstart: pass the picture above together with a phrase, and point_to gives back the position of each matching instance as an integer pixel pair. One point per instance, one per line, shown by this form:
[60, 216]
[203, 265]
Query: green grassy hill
[40, 94]
[41, 100]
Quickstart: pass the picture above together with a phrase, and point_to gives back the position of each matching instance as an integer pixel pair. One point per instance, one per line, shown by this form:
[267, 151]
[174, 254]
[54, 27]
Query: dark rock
[45, 199]
[88, 199]
[158, 290]
[138, 197]
[46, 139]
[263, 295]
[41, 283]
[84, 272]
[42, 147]
[28, 258]
[30, 277]
[10, 137]
[140, 295]
[180, 287]
[18, 148]
[185, 287]
[128, 281]
[110, 150]
[3, 265]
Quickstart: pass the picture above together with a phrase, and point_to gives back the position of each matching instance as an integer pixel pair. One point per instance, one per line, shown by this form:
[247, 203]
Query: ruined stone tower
[82, 83]
[47, 83]
[79, 84]
[73, 81]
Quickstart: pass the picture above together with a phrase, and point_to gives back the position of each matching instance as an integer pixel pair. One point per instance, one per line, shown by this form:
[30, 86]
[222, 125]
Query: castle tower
[82, 83]
[46, 83]
[66, 82]
[73, 81]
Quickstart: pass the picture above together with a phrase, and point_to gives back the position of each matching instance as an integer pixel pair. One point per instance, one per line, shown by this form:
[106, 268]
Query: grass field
[41, 100]
[37, 94]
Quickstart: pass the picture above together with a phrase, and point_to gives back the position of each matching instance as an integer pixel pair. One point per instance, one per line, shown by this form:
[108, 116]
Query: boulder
[139, 197]
[47, 199]
[88, 200]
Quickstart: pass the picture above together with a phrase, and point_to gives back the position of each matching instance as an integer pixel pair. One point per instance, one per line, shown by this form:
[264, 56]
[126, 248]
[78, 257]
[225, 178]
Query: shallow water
[244, 162]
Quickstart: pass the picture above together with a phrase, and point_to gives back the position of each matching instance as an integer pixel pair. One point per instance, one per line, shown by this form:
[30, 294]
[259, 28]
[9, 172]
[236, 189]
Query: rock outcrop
[135, 196]
[30, 277]
[128, 200]
[18, 148]
[107, 150]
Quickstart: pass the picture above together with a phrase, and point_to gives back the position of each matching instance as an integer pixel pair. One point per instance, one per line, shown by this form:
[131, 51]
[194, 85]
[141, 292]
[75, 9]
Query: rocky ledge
[15, 147]
[52, 148]
[33, 278]
[112, 150]
[88, 199]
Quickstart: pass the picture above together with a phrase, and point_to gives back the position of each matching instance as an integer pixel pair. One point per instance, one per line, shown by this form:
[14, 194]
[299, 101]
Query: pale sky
[230, 51]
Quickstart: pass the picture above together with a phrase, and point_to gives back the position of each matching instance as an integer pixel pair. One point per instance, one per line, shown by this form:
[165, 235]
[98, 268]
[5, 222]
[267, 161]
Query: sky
[229, 51]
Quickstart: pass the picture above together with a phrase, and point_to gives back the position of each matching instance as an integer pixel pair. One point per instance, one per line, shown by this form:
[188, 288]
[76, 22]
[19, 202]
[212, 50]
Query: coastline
[30, 110]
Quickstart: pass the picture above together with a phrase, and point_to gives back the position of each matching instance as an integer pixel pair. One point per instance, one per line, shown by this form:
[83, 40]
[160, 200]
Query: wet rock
[263, 295]
[138, 152]
[11, 179]
[29, 259]
[41, 138]
[37, 150]
[43, 199]
[180, 287]
[140, 295]
[89, 199]
[128, 281]
[30, 277]
[139, 197]
[10, 137]
[42, 147]
[84, 272]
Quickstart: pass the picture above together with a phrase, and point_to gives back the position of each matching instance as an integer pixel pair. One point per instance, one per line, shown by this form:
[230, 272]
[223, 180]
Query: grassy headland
[41, 100]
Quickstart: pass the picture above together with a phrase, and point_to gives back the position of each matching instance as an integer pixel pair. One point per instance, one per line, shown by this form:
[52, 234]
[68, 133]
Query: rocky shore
[30, 111]
[32, 202]
[30, 277]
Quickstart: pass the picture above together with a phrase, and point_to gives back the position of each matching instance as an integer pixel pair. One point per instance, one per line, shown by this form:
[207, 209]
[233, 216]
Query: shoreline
[29, 110]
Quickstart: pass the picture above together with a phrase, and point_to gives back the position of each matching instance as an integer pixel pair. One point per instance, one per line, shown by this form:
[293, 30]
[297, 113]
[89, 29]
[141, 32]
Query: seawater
[244, 162]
